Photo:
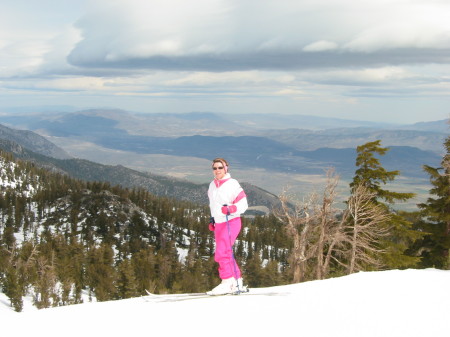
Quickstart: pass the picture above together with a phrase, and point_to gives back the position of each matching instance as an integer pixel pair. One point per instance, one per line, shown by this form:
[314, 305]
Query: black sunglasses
[218, 168]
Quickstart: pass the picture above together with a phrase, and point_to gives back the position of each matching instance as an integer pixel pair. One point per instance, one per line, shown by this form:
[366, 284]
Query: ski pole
[233, 260]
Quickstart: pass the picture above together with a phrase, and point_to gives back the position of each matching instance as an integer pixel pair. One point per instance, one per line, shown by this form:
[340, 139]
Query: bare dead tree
[315, 230]
[16, 271]
[299, 226]
[322, 233]
[337, 248]
[45, 292]
[332, 239]
[366, 227]
[326, 216]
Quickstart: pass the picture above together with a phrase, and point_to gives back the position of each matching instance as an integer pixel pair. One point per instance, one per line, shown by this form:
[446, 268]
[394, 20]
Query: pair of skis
[183, 297]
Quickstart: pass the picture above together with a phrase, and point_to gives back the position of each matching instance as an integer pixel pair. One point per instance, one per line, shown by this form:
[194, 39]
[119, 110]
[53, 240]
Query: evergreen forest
[63, 240]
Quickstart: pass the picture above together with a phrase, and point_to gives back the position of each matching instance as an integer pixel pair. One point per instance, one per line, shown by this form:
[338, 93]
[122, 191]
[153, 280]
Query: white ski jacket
[226, 191]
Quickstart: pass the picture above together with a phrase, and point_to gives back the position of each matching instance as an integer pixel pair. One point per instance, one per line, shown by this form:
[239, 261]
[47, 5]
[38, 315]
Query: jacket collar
[220, 182]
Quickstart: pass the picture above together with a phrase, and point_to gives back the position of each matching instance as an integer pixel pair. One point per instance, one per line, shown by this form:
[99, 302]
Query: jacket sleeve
[240, 201]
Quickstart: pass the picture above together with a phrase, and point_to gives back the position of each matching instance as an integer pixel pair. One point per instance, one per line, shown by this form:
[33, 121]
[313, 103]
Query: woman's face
[218, 170]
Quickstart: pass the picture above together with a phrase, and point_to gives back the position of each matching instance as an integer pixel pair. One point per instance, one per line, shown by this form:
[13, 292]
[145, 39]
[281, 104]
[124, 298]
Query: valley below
[197, 170]
[276, 153]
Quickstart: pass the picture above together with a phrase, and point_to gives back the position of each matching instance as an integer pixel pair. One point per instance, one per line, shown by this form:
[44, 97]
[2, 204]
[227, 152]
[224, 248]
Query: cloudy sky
[383, 60]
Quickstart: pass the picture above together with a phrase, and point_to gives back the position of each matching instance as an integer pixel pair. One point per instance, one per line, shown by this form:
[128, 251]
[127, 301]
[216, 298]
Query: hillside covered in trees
[60, 236]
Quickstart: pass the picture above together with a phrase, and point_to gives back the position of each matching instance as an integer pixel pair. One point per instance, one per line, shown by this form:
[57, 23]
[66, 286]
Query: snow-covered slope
[390, 304]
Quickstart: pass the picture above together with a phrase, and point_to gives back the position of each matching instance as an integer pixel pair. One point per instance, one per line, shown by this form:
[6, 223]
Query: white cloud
[321, 46]
[229, 78]
[405, 24]
[292, 92]
[117, 30]
[368, 76]
[36, 35]
[70, 84]
[401, 35]
[21, 57]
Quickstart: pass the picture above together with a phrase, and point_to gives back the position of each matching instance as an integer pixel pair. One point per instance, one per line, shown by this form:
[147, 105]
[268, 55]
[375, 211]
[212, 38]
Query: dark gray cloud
[233, 35]
[266, 60]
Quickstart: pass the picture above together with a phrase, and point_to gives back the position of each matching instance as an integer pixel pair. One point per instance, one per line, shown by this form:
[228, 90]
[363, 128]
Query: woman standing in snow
[227, 201]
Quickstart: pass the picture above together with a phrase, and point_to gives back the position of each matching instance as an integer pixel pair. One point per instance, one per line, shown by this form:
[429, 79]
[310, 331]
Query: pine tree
[436, 215]
[168, 266]
[136, 231]
[193, 279]
[254, 271]
[372, 176]
[11, 288]
[10, 278]
[271, 276]
[144, 270]
[101, 274]
[126, 280]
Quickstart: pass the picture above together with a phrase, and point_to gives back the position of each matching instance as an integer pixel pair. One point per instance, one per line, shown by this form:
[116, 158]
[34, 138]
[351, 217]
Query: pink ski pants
[223, 255]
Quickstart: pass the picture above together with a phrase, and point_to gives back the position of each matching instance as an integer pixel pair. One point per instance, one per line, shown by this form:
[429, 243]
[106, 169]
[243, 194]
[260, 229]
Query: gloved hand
[229, 209]
[212, 224]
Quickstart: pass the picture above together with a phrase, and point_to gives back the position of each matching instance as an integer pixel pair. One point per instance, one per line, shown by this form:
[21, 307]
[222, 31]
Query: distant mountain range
[291, 144]
[194, 123]
[308, 140]
[259, 199]
[244, 139]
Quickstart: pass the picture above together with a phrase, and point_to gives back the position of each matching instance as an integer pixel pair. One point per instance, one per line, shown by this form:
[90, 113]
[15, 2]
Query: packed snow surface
[391, 303]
